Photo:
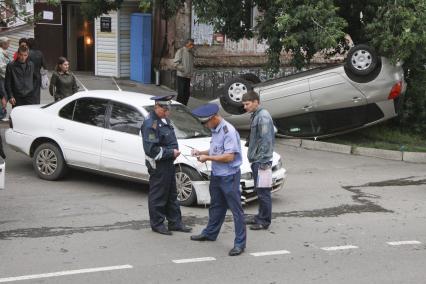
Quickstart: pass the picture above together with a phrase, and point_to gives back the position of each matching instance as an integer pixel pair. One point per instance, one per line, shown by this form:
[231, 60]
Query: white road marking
[64, 273]
[404, 243]
[189, 260]
[339, 248]
[265, 253]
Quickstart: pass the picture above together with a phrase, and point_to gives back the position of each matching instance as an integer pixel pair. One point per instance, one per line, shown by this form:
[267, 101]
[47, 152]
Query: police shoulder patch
[151, 136]
[225, 129]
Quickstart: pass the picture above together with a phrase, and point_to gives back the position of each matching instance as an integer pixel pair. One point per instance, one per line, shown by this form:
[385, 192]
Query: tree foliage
[94, 8]
[301, 27]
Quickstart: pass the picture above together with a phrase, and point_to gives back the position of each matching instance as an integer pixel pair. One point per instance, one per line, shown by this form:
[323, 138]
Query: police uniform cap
[163, 100]
[205, 112]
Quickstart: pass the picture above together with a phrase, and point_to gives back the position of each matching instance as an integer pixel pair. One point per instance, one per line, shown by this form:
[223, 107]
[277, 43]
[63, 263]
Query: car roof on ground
[132, 98]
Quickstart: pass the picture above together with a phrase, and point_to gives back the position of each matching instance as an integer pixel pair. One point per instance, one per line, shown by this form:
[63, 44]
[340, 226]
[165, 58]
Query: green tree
[302, 27]
[396, 29]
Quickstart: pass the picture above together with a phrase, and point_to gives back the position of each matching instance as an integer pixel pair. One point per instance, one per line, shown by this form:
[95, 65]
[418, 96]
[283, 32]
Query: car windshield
[185, 124]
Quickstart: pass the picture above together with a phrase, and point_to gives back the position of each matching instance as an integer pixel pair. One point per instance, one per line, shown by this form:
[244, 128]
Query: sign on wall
[106, 24]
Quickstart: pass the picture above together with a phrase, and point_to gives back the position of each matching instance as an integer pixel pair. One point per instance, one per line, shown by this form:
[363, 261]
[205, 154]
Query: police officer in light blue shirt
[225, 155]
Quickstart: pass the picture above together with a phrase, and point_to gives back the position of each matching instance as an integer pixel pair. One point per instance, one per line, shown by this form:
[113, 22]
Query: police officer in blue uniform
[225, 155]
[161, 149]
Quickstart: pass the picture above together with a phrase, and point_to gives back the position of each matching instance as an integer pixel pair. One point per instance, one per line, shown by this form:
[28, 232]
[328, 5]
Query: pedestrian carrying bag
[44, 79]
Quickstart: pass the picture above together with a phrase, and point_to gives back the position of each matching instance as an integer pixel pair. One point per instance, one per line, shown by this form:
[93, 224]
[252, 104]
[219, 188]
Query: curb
[414, 157]
[378, 153]
[410, 157]
[325, 146]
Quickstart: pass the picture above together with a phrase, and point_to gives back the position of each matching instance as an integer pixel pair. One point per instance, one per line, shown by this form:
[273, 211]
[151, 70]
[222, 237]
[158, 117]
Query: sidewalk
[411, 157]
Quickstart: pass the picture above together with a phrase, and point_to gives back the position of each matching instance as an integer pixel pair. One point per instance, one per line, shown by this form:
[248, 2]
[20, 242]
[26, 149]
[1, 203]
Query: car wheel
[186, 192]
[231, 99]
[48, 162]
[362, 60]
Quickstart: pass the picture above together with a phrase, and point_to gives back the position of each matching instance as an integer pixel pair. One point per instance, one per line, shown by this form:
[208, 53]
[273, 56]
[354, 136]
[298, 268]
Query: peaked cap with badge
[163, 100]
[206, 112]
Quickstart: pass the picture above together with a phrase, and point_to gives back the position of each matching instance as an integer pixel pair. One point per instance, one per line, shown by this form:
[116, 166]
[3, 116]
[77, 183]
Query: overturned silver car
[320, 102]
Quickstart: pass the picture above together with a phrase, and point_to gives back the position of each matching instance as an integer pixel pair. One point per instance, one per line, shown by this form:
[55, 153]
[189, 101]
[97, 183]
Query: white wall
[106, 48]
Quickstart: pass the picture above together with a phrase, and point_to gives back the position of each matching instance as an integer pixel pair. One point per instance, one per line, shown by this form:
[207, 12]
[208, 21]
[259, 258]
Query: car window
[67, 111]
[125, 118]
[185, 124]
[90, 111]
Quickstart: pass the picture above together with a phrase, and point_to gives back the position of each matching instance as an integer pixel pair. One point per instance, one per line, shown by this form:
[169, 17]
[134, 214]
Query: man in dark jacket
[19, 81]
[37, 58]
[161, 149]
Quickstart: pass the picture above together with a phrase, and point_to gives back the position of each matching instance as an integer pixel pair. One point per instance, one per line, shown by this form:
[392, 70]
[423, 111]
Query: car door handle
[307, 108]
[110, 140]
[356, 99]
[60, 129]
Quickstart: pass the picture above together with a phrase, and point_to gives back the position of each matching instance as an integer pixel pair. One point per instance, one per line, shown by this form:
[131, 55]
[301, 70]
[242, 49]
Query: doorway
[80, 40]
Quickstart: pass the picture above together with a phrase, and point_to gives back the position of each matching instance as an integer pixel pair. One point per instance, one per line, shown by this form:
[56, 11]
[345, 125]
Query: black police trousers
[162, 198]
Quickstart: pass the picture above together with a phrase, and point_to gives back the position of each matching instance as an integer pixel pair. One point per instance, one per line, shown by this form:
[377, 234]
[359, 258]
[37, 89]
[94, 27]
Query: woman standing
[62, 83]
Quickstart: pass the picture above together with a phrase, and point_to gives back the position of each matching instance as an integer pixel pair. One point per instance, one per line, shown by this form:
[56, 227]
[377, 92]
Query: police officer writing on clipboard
[225, 155]
[161, 149]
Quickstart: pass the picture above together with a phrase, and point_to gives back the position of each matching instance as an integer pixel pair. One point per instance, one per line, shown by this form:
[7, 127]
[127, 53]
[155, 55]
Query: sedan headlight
[247, 176]
[278, 166]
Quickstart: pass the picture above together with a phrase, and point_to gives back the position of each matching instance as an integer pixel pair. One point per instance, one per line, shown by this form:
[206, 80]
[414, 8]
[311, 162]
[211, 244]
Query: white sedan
[100, 131]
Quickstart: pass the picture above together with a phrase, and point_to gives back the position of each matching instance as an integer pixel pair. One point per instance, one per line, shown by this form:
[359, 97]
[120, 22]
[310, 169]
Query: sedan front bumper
[248, 192]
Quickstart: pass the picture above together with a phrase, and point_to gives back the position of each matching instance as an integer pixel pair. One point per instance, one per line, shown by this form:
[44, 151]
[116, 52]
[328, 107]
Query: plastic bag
[44, 79]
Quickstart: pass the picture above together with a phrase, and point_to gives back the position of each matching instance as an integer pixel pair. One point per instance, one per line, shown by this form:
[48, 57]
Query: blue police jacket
[225, 140]
[159, 138]
[262, 137]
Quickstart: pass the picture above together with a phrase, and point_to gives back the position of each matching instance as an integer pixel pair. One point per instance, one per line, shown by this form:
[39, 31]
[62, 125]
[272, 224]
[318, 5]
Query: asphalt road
[331, 224]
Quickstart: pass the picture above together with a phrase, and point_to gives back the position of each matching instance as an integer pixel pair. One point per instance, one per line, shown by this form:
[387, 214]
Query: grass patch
[382, 136]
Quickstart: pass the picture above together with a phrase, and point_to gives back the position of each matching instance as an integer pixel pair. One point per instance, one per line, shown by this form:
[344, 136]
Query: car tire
[231, 99]
[185, 190]
[362, 60]
[48, 162]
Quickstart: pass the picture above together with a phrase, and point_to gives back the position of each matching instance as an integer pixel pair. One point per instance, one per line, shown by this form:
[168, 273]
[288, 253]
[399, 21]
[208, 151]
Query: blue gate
[140, 47]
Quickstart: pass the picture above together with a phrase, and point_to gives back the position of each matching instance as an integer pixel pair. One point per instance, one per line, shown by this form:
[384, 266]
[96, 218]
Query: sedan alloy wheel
[47, 162]
[184, 178]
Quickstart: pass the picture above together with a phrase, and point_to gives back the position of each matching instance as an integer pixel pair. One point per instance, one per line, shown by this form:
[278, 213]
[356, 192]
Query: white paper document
[264, 178]
[47, 15]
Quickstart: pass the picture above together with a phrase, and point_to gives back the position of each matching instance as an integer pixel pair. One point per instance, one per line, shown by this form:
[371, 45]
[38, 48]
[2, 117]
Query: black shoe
[236, 251]
[182, 228]
[162, 230]
[200, 238]
[257, 227]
